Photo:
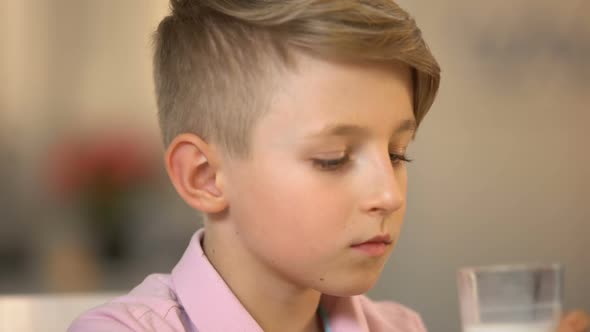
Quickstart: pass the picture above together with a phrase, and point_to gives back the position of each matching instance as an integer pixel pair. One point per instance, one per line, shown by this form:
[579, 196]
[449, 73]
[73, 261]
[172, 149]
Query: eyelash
[334, 164]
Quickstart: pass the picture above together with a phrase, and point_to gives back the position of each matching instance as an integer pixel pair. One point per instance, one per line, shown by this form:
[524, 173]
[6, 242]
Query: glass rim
[512, 267]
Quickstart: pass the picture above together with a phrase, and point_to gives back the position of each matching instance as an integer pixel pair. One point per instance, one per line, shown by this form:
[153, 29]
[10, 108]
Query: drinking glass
[511, 298]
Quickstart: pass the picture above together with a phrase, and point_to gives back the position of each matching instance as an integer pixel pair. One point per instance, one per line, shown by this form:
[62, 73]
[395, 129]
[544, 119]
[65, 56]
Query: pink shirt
[194, 297]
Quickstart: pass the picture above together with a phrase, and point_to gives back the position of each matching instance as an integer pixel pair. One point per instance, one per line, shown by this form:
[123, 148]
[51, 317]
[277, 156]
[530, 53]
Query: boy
[286, 123]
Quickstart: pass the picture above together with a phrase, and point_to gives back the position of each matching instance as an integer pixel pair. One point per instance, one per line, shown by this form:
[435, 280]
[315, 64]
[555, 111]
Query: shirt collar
[206, 298]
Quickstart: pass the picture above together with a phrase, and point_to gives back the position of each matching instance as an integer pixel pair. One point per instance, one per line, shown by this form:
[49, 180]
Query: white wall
[75, 63]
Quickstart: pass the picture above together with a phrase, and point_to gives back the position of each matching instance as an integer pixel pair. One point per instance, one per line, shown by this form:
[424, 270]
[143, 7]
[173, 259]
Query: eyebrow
[408, 125]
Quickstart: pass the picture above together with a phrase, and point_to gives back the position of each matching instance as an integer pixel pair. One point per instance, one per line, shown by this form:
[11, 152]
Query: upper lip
[383, 238]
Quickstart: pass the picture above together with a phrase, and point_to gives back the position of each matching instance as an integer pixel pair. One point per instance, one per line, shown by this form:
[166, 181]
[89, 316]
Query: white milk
[529, 327]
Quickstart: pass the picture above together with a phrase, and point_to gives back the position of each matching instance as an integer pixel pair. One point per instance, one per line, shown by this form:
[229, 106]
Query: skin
[280, 224]
[575, 321]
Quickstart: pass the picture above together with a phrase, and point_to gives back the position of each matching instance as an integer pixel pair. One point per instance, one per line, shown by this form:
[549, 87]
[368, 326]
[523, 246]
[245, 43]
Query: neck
[275, 303]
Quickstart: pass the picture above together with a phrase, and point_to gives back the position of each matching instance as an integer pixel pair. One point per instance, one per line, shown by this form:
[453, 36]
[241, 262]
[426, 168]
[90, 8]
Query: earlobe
[193, 168]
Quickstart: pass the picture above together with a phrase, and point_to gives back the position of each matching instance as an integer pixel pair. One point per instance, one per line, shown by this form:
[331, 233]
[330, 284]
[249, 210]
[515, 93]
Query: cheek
[293, 206]
[401, 176]
[311, 201]
[399, 215]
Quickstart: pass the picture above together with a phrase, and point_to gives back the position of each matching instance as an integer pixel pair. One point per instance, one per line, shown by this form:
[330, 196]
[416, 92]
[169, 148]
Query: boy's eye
[398, 158]
[331, 164]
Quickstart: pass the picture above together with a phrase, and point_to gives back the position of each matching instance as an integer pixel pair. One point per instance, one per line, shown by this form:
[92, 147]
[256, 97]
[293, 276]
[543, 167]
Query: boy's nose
[384, 192]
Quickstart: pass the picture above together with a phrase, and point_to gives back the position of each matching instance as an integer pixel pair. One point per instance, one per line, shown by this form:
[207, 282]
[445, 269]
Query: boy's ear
[193, 167]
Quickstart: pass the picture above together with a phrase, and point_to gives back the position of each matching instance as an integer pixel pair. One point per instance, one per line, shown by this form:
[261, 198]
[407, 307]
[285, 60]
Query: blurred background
[501, 171]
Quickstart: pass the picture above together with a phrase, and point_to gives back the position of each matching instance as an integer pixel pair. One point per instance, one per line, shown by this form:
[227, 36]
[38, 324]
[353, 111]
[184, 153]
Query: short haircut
[214, 60]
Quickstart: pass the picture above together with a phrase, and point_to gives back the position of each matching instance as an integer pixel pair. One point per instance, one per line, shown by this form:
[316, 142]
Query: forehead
[321, 94]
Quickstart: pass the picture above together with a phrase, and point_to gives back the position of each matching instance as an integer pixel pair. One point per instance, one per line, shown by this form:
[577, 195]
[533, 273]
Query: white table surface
[46, 312]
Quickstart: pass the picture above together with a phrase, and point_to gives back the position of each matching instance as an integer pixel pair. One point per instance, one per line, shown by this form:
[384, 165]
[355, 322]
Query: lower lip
[373, 249]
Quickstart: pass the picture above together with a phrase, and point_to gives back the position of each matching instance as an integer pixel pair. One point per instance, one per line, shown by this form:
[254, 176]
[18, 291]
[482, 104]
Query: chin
[349, 286]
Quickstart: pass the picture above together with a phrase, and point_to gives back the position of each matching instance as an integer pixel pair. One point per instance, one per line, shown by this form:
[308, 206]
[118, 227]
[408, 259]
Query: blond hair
[214, 59]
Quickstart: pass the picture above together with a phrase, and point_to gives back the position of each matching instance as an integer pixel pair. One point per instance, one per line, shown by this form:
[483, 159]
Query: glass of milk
[511, 298]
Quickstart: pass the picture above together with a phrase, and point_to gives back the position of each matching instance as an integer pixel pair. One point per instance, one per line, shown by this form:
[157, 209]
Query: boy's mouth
[376, 246]
[383, 238]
